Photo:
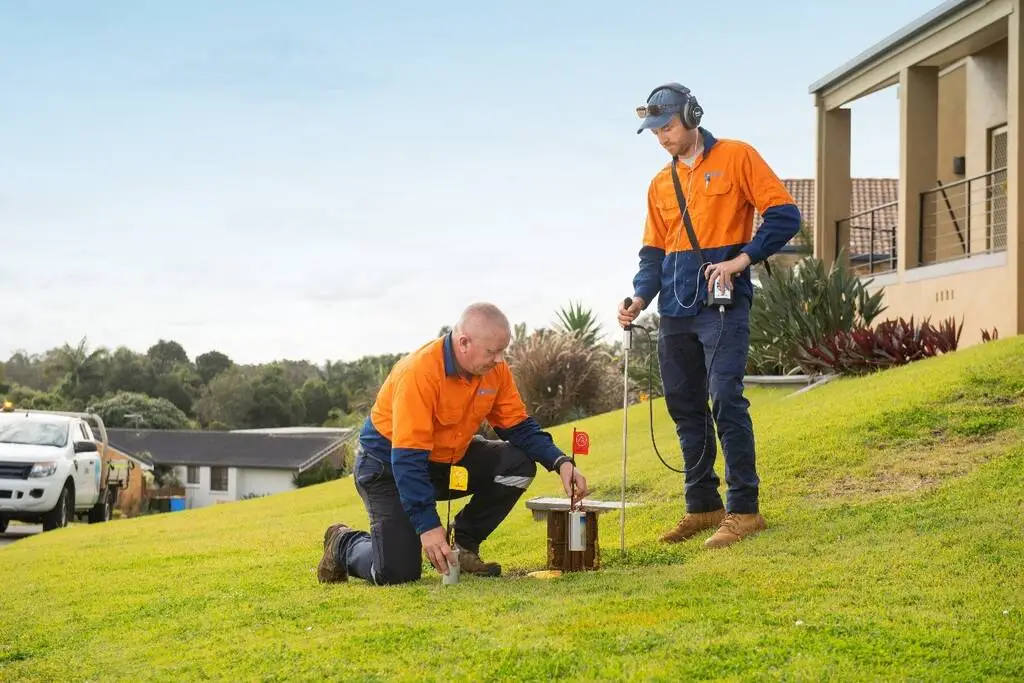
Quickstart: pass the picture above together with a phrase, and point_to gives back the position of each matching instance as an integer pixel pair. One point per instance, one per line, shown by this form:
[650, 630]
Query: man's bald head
[482, 317]
[480, 337]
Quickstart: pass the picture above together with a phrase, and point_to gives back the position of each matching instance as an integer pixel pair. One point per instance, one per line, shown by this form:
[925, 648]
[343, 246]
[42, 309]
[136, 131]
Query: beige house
[949, 245]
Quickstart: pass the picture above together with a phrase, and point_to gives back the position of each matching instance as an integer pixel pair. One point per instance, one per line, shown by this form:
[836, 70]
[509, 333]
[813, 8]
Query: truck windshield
[34, 433]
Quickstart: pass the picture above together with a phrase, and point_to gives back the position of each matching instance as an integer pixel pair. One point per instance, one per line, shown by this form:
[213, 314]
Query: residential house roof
[141, 458]
[866, 194]
[226, 449]
[296, 431]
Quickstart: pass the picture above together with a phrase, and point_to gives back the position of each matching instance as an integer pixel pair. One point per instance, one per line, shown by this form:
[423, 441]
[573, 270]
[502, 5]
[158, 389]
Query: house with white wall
[955, 248]
[219, 467]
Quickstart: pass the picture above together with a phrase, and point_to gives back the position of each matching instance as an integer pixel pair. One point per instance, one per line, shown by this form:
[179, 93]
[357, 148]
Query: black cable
[449, 533]
[707, 385]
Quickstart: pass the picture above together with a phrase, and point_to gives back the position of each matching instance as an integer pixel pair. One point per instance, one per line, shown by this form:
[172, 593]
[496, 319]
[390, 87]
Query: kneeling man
[425, 418]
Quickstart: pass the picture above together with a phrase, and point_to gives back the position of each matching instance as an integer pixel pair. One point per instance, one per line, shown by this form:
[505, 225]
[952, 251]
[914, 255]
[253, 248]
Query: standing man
[700, 216]
[425, 419]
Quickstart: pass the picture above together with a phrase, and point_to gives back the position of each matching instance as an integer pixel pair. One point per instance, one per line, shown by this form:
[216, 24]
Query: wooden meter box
[559, 555]
[556, 512]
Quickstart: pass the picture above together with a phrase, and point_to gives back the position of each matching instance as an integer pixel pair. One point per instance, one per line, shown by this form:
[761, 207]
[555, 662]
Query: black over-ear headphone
[691, 111]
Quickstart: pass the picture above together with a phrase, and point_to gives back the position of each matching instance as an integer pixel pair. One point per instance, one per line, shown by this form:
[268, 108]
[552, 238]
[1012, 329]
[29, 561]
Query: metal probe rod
[627, 342]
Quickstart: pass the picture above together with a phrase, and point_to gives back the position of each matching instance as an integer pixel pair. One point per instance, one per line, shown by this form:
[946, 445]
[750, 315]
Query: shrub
[562, 377]
[793, 307]
[132, 409]
[323, 471]
[644, 368]
[893, 342]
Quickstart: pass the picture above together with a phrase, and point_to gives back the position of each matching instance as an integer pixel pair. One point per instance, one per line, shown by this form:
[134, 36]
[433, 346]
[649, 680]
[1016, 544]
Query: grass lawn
[894, 551]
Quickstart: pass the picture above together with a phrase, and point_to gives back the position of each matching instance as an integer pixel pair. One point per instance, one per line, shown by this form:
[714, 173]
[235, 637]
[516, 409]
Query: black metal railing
[869, 238]
[963, 218]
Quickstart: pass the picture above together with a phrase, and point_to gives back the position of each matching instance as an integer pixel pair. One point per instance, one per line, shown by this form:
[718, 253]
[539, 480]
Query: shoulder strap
[689, 225]
[686, 214]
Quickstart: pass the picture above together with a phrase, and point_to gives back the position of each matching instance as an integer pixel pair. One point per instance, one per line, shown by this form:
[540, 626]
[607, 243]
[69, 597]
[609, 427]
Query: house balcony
[869, 239]
[958, 220]
[963, 219]
[951, 237]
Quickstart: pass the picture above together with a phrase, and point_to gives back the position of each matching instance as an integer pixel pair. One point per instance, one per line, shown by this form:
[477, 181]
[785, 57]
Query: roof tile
[867, 193]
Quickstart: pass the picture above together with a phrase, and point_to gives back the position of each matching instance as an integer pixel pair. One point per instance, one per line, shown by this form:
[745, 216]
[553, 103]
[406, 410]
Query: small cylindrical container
[452, 577]
[577, 530]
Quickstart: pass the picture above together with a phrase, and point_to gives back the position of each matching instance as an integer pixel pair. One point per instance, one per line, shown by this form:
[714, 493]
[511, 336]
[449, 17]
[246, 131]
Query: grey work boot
[330, 569]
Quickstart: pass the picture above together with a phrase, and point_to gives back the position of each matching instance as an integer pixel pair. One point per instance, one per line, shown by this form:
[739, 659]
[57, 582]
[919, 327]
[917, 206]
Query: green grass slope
[894, 551]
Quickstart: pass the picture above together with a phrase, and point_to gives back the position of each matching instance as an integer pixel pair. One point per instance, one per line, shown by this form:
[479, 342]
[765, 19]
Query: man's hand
[628, 315]
[435, 545]
[725, 271]
[570, 477]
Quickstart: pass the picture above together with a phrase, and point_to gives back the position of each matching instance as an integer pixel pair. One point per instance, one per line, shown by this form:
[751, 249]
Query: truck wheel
[103, 510]
[3, 525]
[60, 515]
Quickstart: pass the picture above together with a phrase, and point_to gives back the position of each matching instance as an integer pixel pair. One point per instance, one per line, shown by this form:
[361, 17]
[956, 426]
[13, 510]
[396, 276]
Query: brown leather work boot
[470, 563]
[330, 570]
[692, 524]
[735, 527]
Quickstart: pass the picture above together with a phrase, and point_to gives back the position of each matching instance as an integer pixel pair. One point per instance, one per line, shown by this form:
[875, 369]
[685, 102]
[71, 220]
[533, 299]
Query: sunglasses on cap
[645, 110]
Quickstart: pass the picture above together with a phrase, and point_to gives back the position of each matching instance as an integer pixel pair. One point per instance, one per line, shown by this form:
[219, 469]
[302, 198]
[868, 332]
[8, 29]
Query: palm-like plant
[76, 366]
[580, 322]
[798, 306]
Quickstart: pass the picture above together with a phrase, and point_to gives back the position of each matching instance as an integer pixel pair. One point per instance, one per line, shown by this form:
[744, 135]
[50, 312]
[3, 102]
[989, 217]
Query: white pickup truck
[54, 467]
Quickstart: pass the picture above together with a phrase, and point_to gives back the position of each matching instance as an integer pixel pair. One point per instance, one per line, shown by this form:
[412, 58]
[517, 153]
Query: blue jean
[686, 346]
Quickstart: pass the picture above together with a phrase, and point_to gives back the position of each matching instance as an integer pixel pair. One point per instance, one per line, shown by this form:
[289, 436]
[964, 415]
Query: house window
[997, 200]
[192, 474]
[218, 478]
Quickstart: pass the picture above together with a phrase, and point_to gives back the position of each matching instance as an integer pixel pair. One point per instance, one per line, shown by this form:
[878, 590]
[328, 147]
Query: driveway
[16, 532]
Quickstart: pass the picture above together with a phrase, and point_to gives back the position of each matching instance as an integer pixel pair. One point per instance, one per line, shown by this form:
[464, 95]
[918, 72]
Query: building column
[1015, 163]
[832, 184]
[919, 138]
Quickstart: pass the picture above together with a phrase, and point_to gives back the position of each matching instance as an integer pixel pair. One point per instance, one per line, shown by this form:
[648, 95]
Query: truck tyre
[61, 513]
[3, 525]
[103, 510]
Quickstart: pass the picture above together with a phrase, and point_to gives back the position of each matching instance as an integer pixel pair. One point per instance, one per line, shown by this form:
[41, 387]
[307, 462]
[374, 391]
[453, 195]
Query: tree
[167, 354]
[211, 364]
[227, 399]
[82, 370]
[129, 409]
[316, 401]
[274, 404]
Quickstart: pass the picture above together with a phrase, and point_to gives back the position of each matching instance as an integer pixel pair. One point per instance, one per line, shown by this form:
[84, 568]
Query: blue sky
[281, 179]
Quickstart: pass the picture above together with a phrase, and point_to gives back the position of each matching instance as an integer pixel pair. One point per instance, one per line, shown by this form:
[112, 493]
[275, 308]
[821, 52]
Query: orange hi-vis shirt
[427, 411]
[727, 182]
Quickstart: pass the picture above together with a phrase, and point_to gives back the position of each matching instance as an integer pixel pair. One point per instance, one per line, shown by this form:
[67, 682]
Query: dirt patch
[880, 483]
[907, 472]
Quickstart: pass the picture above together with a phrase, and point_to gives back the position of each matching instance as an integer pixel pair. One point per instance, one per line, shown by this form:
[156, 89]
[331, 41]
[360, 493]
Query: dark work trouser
[685, 348]
[390, 552]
